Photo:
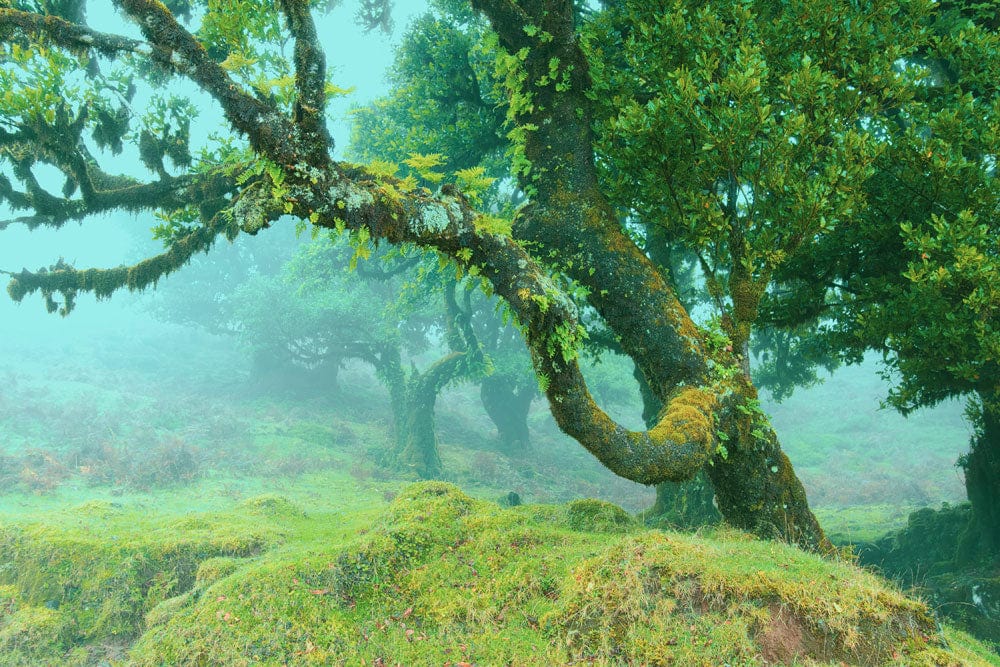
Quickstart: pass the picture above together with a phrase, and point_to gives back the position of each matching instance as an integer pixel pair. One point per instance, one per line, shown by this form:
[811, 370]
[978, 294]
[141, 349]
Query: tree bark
[982, 479]
[419, 452]
[569, 217]
[678, 504]
[389, 368]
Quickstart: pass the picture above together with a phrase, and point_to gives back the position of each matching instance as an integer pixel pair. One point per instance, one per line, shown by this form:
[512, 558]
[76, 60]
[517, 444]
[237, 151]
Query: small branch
[68, 35]
[53, 211]
[67, 281]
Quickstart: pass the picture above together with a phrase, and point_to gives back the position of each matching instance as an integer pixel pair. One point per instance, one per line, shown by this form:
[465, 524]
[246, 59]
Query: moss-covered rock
[99, 508]
[660, 599]
[922, 557]
[213, 569]
[32, 635]
[102, 567]
[271, 505]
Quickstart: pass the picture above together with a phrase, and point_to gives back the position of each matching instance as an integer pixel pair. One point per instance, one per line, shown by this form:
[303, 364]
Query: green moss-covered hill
[436, 578]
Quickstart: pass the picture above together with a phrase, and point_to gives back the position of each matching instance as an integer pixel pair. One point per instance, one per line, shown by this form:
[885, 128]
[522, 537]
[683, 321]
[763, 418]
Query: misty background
[116, 370]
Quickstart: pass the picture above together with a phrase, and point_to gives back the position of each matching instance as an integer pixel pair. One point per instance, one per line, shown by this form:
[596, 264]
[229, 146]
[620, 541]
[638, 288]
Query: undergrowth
[433, 577]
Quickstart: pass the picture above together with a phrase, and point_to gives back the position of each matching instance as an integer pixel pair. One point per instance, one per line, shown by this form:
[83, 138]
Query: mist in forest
[301, 386]
[134, 344]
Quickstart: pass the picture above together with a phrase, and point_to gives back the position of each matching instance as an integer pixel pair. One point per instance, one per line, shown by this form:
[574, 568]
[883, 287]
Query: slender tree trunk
[419, 451]
[331, 374]
[389, 368]
[507, 402]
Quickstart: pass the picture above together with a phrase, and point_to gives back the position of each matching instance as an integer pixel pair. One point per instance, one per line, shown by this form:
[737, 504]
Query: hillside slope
[435, 577]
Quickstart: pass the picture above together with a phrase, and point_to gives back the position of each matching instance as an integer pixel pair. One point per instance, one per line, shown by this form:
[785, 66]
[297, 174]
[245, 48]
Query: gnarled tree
[279, 162]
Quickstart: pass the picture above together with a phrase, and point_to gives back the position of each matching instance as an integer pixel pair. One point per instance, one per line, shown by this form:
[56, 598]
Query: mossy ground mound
[438, 578]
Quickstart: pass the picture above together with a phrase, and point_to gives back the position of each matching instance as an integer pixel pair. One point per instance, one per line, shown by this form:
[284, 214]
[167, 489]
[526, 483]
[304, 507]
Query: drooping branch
[67, 281]
[130, 195]
[675, 449]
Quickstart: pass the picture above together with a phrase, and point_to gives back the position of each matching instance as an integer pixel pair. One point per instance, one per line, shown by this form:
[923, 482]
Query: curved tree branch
[683, 440]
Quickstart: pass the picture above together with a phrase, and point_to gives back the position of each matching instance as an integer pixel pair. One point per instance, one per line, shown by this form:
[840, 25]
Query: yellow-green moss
[31, 635]
[271, 505]
[687, 418]
[441, 577]
[445, 578]
[213, 569]
[598, 516]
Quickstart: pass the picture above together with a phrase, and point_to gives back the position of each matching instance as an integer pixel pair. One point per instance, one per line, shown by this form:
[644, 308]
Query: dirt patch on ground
[784, 638]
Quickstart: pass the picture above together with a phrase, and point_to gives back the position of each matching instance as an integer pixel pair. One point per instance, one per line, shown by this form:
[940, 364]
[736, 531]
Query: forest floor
[160, 513]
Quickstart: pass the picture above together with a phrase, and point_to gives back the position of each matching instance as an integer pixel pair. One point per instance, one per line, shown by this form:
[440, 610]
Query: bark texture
[571, 218]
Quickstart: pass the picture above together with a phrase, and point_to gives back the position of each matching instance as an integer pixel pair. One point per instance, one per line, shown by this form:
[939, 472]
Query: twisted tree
[67, 104]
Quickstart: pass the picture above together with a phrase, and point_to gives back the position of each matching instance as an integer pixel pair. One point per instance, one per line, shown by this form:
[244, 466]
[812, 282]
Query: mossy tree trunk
[389, 368]
[569, 217]
[507, 400]
[679, 504]
[982, 480]
[419, 450]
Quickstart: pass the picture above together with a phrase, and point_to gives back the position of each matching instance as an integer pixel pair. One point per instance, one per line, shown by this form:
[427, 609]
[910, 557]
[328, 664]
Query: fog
[125, 339]
[309, 446]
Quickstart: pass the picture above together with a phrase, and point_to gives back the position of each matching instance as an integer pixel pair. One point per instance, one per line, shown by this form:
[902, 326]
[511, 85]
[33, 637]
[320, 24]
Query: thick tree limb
[310, 81]
[570, 217]
[509, 20]
[270, 132]
[675, 449]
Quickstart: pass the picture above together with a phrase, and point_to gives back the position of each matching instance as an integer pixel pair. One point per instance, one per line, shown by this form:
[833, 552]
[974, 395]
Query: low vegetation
[433, 576]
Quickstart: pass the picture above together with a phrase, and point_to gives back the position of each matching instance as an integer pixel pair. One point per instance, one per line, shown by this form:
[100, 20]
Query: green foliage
[917, 270]
[443, 105]
[744, 143]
